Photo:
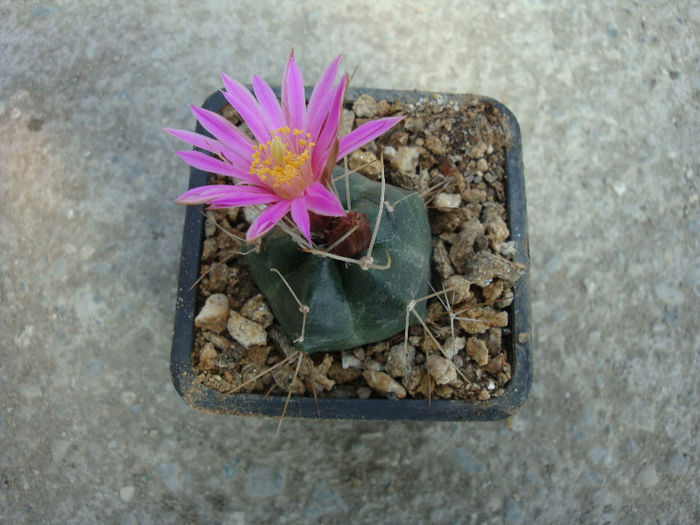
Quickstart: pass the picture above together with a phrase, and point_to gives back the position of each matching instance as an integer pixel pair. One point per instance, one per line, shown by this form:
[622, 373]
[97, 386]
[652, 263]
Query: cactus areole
[349, 306]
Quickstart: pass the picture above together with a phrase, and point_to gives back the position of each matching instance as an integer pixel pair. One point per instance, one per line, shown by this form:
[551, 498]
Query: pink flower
[288, 165]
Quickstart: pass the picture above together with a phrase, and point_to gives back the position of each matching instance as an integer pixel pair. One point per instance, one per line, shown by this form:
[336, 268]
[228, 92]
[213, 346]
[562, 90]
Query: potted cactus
[342, 264]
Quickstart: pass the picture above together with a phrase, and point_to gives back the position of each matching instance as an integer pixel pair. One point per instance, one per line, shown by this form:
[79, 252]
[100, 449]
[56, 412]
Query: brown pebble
[343, 375]
[495, 364]
[477, 350]
[207, 357]
[383, 383]
[214, 314]
[442, 370]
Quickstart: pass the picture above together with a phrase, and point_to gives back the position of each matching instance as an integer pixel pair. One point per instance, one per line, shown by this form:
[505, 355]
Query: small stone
[349, 360]
[412, 380]
[453, 345]
[477, 151]
[375, 348]
[208, 357]
[523, 337]
[484, 395]
[435, 145]
[383, 383]
[493, 291]
[441, 369]
[497, 230]
[507, 249]
[443, 391]
[371, 364]
[343, 375]
[413, 124]
[442, 260]
[214, 314]
[406, 159]
[210, 224]
[490, 177]
[494, 341]
[389, 153]
[319, 373]
[463, 250]
[483, 267]
[365, 106]
[217, 277]
[477, 350]
[256, 356]
[478, 320]
[435, 311]
[507, 299]
[400, 360]
[428, 346]
[482, 165]
[346, 123]
[445, 222]
[245, 331]
[460, 289]
[127, 493]
[444, 201]
[366, 163]
[383, 108]
[474, 196]
[495, 364]
[256, 309]
[208, 248]
[364, 392]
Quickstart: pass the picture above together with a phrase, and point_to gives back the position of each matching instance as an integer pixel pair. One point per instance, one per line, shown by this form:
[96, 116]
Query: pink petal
[209, 144]
[300, 216]
[293, 100]
[244, 102]
[202, 194]
[235, 201]
[204, 162]
[269, 106]
[317, 111]
[322, 201]
[267, 219]
[225, 132]
[227, 196]
[330, 128]
[364, 134]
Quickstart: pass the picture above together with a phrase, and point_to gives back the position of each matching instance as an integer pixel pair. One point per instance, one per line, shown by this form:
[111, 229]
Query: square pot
[206, 399]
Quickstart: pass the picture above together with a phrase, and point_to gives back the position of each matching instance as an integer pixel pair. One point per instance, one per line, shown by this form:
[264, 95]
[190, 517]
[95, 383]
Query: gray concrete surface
[91, 429]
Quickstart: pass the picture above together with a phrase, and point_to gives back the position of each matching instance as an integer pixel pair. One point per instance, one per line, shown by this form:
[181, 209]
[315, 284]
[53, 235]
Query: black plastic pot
[205, 399]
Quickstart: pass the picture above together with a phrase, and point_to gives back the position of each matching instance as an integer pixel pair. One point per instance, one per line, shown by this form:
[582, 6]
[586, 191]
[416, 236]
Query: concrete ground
[91, 430]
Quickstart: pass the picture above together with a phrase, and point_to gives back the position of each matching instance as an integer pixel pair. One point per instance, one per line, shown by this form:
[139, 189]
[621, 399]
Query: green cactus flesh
[349, 306]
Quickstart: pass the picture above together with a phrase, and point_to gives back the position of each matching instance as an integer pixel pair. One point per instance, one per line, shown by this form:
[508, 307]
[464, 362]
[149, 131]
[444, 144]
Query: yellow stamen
[277, 162]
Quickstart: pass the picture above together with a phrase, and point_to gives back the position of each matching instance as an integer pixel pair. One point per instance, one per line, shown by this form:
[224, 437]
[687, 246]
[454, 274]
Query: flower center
[279, 161]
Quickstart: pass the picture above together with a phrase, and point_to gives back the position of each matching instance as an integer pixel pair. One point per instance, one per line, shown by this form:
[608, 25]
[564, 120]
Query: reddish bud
[355, 243]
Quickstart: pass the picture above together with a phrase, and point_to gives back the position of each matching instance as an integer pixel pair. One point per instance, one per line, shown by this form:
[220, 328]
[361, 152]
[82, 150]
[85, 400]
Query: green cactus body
[349, 306]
